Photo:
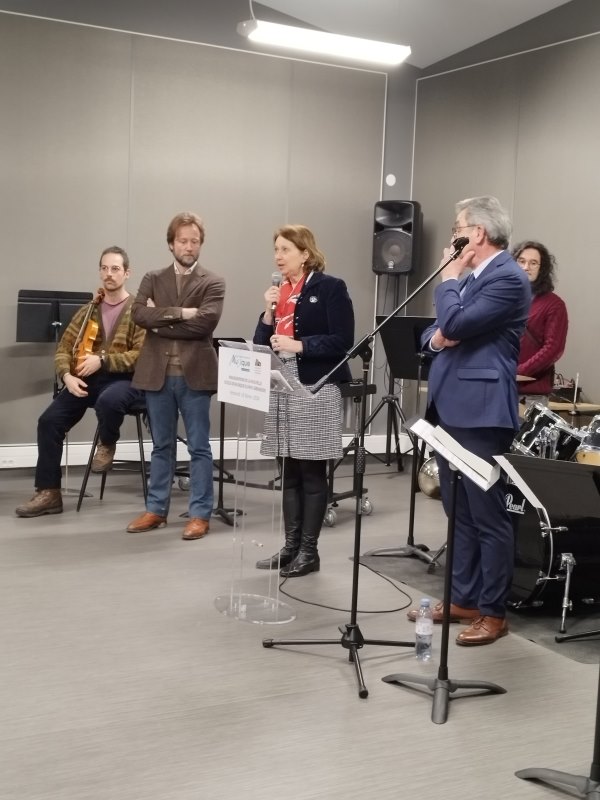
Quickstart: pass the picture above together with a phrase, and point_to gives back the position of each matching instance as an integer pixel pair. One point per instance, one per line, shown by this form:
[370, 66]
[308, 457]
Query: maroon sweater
[542, 343]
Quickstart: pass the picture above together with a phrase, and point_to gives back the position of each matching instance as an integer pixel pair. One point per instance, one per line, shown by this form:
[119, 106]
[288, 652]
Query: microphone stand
[352, 638]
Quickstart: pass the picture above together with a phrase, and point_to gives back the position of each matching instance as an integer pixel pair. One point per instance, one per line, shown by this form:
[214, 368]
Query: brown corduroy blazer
[203, 290]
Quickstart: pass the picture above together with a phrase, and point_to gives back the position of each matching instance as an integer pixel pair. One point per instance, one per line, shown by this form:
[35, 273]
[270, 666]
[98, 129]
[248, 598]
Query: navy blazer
[324, 323]
[474, 384]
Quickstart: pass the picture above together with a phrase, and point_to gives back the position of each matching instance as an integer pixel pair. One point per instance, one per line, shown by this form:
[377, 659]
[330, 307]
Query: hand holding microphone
[272, 293]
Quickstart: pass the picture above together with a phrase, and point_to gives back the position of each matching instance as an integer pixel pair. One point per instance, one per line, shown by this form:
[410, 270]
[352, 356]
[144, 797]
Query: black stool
[139, 412]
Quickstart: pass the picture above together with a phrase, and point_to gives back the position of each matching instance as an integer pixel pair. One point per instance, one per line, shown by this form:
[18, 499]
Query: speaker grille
[396, 236]
[392, 250]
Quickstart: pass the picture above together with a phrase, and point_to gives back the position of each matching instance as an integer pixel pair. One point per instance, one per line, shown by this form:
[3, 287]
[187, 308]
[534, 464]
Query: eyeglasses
[112, 270]
[523, 262]
[457, 228]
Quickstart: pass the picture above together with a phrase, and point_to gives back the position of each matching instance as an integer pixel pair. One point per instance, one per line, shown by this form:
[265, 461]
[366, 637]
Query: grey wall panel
[556, 186]
[111, 134]
[525, 129]
[65, 100]
[465, 145]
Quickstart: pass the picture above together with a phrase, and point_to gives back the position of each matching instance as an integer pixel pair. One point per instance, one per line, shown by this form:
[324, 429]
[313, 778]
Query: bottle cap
[425, 601]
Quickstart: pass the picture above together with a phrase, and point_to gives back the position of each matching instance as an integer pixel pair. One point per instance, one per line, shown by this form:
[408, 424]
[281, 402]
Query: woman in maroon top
[544, 338]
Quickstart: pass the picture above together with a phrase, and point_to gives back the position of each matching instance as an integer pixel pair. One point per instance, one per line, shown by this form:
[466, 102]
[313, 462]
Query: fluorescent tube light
[324, 43]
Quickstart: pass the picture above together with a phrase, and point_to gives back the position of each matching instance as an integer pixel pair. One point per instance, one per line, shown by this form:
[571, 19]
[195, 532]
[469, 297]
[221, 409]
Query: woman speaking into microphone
[309, 322]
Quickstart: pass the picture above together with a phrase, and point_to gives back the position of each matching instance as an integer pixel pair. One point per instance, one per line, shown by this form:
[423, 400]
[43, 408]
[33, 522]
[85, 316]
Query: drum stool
[138, 412]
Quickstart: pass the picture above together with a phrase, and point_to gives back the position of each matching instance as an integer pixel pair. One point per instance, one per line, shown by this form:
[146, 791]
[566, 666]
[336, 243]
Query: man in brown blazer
[179, 307]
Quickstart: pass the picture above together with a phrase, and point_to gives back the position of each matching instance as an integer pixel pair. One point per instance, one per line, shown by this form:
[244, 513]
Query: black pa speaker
[397, 230]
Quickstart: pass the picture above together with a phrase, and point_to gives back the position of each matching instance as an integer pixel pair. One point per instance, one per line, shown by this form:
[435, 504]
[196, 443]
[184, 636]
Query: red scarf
[284, 312]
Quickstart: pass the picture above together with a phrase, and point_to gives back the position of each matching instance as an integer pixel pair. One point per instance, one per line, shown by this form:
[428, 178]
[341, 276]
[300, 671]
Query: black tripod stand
[402, 343]
[442, 686]
[352, 638]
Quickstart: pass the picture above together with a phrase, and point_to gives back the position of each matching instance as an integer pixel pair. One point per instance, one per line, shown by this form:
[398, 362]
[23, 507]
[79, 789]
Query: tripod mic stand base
[419, 551]
[586, 787]
[352, 640]
[441, 690]
[228, 515]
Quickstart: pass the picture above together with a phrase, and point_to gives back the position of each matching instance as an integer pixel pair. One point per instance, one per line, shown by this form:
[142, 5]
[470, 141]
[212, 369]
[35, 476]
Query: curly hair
[545, 278]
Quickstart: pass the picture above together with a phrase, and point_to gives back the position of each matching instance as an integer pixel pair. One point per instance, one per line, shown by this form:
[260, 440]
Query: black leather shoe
[280, 559]
[303, 564]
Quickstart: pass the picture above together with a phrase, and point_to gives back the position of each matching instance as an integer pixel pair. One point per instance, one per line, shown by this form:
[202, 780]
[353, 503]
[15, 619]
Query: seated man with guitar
[95, 359]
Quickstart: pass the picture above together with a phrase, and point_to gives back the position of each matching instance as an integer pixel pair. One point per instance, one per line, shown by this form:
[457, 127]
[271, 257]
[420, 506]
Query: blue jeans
[164, 408]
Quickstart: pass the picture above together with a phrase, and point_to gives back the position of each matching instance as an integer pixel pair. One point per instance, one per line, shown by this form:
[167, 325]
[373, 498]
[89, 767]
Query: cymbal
[590, 408]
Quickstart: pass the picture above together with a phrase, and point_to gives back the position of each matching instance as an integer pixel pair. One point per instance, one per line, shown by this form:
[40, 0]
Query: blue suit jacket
[474, 384]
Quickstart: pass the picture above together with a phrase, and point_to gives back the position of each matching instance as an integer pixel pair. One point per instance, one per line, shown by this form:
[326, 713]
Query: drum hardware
[567, 562]
[544, 434]
[588, 451]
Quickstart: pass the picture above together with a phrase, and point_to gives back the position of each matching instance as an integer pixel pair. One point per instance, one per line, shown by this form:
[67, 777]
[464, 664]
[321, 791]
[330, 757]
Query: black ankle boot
[304, 563]
[292, 521]
[280, 559]
[307, 560]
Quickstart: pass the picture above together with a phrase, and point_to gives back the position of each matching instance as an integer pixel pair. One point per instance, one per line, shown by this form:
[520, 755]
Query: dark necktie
[467, 284]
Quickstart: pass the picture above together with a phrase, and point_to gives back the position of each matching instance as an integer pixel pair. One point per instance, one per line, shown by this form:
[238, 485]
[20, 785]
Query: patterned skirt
[304, 428]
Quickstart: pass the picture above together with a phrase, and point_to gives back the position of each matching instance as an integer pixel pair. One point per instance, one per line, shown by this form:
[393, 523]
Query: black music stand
[402, 344]
[441, 687]
[42, 315]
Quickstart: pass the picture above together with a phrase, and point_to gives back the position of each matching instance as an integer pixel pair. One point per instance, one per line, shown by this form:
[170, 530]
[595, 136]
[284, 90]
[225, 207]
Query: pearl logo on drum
[512, 507]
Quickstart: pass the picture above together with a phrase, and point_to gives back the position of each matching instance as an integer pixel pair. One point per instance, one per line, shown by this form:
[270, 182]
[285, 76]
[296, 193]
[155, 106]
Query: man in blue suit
[473, 396]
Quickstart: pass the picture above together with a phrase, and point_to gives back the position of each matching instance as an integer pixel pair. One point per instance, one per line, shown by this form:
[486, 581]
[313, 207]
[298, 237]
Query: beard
[186, 261]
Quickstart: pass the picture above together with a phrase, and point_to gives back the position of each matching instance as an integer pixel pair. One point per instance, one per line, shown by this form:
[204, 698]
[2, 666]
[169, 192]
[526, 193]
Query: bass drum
[537, 577]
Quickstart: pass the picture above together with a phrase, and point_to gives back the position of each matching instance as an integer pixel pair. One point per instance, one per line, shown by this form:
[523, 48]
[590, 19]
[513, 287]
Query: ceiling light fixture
[332, 44]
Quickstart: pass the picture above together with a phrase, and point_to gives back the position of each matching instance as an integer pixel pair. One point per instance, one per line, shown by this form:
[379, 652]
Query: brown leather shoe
[44, 501]
[457, 613]
[196, 528]
[483, 630]
[146, 522]
[103, 457]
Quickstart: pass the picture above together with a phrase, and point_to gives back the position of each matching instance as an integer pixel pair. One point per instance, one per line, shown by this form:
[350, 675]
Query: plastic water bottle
[424, 631]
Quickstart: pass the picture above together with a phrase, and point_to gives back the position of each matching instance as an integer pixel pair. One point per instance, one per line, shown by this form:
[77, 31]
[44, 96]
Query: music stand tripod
[402, 344]
[441, 686]
[352, 639]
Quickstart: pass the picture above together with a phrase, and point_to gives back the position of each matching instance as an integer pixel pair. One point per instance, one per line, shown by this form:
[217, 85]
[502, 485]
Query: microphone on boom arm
[459, 245]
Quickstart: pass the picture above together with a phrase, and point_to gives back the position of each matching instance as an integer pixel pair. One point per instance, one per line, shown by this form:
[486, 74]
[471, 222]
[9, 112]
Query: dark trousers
[111, 394]
[483, 535]
[306, 476]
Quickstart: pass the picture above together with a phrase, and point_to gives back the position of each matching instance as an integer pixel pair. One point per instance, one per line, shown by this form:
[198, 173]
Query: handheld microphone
[459, 245]
[276, 281]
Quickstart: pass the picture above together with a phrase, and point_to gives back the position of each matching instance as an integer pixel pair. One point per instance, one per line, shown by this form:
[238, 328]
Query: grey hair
[487, 212]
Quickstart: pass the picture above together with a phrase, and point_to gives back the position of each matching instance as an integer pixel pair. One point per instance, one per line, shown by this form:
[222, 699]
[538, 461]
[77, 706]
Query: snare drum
[546, 435]
[588, 451]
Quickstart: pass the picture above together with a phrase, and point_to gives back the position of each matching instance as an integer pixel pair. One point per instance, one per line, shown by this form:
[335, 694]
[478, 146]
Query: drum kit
[547, 556]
